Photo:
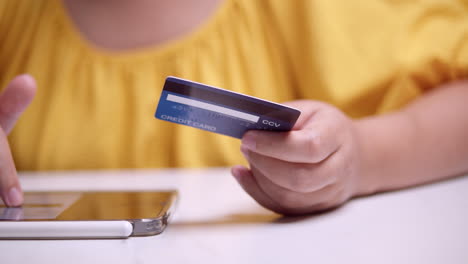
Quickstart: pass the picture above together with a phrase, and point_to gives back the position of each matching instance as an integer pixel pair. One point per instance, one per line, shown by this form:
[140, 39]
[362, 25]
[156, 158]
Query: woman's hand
[314, 167]
[13, 101]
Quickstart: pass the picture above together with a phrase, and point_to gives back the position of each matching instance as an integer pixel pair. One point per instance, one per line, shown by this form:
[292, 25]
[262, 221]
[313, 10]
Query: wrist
[366, 183]
[386, 143]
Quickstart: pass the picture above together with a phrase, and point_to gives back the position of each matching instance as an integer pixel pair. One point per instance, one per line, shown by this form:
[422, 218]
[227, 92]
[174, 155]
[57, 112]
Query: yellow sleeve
[368, 56]
[432, 49]
[7, 13]
[18, 19]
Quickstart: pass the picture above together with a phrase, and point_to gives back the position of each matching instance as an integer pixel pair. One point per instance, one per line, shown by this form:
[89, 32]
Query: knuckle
[315, 146]
[314, 142]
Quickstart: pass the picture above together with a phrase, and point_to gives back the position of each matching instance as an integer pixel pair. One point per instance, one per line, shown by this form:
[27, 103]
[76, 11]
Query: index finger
[310, 144]
[10, 189]
[14, 99]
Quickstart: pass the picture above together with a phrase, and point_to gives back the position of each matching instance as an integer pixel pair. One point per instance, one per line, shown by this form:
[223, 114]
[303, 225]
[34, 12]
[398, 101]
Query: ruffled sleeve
[432, 49]
[370, 57]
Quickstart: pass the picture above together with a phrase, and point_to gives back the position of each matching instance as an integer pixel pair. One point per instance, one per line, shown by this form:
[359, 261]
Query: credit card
[221, 111]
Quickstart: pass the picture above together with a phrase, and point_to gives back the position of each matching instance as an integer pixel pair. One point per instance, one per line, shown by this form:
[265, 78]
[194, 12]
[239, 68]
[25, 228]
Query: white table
[216, 222]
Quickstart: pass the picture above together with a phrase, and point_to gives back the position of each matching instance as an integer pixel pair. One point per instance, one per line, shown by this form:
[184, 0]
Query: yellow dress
[94, 109]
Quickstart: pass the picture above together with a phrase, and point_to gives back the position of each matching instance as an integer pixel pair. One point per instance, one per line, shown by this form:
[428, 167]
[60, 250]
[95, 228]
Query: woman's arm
[329, 158]
[424, 142]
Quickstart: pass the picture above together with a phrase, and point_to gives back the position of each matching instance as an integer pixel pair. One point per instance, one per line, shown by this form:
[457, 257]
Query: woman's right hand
[13, 101]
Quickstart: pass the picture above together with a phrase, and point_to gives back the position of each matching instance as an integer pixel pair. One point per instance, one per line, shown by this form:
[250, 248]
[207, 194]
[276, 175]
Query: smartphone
[78, 215]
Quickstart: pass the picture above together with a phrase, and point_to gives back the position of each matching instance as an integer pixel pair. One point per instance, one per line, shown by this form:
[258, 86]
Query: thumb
[14, 100]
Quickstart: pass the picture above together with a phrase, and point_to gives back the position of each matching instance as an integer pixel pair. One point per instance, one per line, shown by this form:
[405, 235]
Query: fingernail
[14, 197]
[245, 152]
[29, 79]
[249, 141]
[236, 173]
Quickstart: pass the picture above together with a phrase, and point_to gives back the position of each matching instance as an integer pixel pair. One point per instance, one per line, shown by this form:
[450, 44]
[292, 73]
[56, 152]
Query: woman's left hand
[314, 167]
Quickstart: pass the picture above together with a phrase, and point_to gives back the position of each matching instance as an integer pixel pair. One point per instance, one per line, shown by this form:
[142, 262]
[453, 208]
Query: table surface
[216, 222]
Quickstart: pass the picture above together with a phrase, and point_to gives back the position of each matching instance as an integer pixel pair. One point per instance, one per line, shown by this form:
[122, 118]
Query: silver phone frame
[153, 226]
[140, 227]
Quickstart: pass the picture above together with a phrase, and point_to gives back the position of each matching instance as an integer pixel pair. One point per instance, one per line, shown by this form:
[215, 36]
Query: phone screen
[89, 206]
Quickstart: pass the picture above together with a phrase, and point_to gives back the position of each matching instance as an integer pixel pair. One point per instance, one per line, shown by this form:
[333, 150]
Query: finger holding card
[298, 165]
[312, 168]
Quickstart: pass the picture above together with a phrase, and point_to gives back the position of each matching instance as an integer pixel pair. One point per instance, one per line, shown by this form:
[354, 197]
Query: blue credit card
[221, 111]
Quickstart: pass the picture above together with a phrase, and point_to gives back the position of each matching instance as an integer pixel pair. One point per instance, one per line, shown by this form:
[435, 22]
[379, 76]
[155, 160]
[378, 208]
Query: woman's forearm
[426, 141]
